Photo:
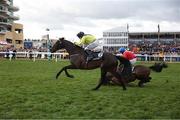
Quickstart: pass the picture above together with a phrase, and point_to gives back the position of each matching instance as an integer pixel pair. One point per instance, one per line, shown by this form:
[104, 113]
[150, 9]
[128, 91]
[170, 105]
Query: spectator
[30, 54]
[161, 56]
[7, 54]
[14, 54]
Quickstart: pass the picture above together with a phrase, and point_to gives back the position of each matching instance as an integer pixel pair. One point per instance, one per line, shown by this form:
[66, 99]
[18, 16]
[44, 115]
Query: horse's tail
[157, 67]
[127, 69]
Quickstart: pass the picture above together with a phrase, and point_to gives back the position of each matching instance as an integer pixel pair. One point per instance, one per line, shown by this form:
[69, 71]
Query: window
[18, 41]
[9, 40]
[178, 35]
[18, 31]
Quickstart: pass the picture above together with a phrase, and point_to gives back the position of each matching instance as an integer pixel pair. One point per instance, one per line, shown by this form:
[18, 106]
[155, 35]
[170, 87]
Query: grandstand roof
[154, 31]
[137, 32]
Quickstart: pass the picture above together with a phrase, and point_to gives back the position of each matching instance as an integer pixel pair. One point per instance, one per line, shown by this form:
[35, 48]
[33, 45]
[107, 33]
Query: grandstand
[118, 37]
[155, 41]
[166, 38]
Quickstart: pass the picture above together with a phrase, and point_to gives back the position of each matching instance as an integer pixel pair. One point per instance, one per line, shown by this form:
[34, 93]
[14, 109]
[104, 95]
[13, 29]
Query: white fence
[168, 58]
[34, 55]
[58, 56]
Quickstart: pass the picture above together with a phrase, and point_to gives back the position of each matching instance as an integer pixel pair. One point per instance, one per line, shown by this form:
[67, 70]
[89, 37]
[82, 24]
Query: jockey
[88, 42]
[128, 55]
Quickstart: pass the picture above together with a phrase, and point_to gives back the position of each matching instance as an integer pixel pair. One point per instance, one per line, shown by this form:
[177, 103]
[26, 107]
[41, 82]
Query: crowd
[141, 48]
[137, 49]
[155, 49]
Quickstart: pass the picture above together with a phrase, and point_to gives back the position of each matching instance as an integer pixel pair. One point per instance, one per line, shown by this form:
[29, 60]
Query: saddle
[91, 55]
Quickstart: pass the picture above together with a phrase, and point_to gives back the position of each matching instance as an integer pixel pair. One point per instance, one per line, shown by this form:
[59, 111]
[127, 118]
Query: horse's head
[58, 45]
[157, 67]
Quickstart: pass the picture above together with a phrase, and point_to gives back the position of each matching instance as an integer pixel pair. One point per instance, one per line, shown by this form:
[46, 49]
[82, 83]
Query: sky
[65, 18]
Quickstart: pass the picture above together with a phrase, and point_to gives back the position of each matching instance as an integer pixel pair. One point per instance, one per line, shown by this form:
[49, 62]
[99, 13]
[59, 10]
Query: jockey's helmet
[80, 35]
[122, 50]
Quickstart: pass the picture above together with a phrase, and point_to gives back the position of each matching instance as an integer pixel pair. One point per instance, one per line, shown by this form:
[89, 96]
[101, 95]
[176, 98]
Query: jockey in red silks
[128, 55]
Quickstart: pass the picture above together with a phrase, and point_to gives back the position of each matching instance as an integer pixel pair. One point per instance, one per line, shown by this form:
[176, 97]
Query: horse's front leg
[65, 69]
[69, 67]
[121, 80]
[140, 83]
[101, 80]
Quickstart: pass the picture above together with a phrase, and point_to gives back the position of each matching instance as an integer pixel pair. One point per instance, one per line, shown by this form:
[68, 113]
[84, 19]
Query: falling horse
[157, 67]
[139, 72]
[108, 62]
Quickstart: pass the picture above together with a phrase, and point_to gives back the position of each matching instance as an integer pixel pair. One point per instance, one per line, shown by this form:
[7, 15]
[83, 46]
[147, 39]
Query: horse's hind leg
[65, 69]
[101, 80]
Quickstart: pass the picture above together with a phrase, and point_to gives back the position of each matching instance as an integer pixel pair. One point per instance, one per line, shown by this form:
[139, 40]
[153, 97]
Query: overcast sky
[65, 18]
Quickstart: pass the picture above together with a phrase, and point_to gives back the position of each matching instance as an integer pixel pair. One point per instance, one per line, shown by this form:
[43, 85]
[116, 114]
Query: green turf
[29, 90]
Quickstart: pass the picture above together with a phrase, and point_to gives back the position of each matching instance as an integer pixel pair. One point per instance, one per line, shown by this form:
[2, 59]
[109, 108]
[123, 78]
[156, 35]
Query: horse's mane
[72, 44]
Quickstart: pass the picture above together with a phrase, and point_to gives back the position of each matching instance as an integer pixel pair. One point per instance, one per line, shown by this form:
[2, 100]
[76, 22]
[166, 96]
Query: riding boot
[89, 54]
[89, 58]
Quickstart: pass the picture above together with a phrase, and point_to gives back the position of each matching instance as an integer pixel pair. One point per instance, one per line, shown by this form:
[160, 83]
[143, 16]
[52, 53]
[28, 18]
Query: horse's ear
[61, 38]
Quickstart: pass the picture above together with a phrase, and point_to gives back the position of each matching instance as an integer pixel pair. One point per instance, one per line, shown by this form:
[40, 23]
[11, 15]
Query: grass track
[29, 90]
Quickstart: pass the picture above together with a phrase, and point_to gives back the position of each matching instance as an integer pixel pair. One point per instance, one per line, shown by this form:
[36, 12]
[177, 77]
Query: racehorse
[157, 67]
[139, 72]
[108, 62]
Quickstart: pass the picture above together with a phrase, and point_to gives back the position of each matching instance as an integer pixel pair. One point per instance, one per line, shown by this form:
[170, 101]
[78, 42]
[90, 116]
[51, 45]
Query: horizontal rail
[44, 55]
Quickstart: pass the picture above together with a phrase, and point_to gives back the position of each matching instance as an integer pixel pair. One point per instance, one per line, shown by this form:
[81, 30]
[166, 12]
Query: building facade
[120, 37]
[115, 38]
[10, 32]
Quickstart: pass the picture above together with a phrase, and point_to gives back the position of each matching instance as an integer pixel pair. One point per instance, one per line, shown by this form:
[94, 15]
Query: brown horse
[157, 67]
[108, 62]
[139, 72]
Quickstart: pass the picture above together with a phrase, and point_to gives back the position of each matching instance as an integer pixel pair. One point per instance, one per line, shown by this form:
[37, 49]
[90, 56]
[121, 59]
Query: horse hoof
[94, 89]
[71, 76]
[141, 85]
[124, 89]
